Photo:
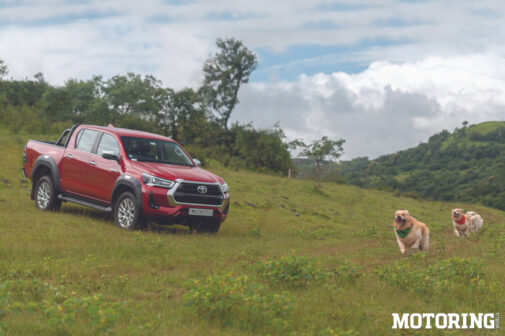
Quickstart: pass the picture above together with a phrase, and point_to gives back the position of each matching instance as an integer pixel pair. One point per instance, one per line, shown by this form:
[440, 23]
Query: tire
[127, 214]
[45, 195]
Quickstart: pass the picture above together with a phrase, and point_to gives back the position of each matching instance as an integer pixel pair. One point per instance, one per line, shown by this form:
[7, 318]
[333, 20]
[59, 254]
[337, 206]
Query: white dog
[464, 223]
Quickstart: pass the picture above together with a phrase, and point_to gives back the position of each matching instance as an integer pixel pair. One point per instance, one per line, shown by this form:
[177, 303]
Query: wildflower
[102, 320]
[60, 308]
[95, 298]
[100, 312]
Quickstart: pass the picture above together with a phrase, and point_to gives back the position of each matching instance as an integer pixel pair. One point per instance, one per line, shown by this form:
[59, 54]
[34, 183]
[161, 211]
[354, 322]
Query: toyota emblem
[202, 189]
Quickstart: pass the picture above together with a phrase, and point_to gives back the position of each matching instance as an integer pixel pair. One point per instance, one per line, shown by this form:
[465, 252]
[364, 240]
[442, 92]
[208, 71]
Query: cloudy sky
[382, 74]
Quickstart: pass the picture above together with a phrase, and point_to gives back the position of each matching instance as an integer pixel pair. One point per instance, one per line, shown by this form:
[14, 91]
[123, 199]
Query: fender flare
[49, 163]
[130, 182]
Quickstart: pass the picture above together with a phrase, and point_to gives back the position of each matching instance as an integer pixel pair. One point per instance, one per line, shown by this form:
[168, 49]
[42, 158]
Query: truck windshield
[153, 150]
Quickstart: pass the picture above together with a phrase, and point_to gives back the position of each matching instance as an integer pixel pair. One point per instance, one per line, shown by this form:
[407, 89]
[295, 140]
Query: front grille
[188, 193]
[192, 188]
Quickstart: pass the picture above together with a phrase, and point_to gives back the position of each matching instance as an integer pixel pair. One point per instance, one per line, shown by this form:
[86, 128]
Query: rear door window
[86, 139]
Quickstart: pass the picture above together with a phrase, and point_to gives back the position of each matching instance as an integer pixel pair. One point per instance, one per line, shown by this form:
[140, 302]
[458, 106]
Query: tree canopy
[321, 151]
[224, 73]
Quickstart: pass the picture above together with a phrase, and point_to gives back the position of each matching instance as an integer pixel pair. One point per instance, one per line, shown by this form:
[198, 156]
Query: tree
[3, 69]
[182, 115]
[261, 149]
[133, 95]
[320, 152]
[224, 73]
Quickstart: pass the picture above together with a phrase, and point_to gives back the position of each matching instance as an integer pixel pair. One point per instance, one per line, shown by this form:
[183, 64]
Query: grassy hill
[289, 260]
[467, 165]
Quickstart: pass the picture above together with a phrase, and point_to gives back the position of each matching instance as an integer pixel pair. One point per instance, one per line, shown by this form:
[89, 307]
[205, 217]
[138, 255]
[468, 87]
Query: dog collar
[404, 233]
[461, 221]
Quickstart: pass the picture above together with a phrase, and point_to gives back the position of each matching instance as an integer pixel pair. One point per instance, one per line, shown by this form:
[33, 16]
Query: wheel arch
[127, 183]
[45, 165]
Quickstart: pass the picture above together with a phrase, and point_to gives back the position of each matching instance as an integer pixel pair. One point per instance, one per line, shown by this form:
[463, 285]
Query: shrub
[440, 277]
[291, 270]
[238, 301]
[101, 315]
[457, 268]
[348, 271]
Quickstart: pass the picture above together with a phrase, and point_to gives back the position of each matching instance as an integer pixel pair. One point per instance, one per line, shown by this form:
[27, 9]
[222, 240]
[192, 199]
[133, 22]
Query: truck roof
[127, 132]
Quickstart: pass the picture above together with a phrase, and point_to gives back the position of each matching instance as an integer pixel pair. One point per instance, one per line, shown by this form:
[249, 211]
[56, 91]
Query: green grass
[487, 127]
[74, 273]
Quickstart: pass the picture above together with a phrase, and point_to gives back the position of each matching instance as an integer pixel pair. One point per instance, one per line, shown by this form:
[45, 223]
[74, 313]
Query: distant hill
[467, 165]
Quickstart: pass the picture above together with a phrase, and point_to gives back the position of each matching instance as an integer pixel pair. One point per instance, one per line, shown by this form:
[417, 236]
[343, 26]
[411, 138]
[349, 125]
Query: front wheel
[45, 195]
[126, 213]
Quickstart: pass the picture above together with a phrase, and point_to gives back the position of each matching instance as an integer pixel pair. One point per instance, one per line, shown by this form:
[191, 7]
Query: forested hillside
[467, 165]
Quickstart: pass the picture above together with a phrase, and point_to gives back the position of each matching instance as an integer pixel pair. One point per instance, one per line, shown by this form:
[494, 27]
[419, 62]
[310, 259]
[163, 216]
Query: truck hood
[174, 172]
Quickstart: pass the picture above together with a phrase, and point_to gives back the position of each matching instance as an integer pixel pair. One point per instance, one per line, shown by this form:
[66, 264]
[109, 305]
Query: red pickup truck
[135, 175]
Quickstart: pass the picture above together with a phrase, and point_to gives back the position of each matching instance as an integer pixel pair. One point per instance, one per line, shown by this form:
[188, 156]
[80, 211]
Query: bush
[291, 270]
[238, 301]
[101, 315]
[348, 272]
[441, 277]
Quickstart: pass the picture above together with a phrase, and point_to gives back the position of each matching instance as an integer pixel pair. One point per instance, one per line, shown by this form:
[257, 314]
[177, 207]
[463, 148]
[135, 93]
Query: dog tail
[477, 222]
[425, 242]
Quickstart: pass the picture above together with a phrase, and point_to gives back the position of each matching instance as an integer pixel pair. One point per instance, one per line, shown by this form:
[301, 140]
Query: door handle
[69, 156]
[93, 163]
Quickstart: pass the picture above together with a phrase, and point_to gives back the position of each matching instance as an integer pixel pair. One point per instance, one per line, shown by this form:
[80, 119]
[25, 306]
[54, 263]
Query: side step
[84, 202]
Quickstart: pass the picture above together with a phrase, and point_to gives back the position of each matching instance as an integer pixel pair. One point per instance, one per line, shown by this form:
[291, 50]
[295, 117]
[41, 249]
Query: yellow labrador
[410, 233]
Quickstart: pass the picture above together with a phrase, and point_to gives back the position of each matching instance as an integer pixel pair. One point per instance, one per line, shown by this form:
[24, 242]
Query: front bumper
[160, 205]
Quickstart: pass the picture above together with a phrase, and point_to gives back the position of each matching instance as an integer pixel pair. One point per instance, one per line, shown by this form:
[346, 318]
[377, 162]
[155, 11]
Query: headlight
[154, 181]
[225, 188]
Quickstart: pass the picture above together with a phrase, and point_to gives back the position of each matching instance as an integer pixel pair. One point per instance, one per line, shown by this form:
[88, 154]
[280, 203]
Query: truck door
[104, 172]
[75, 166]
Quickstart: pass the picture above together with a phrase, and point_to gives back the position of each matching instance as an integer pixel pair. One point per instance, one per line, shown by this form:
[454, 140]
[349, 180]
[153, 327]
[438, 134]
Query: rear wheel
[45, 195]
[126, 212]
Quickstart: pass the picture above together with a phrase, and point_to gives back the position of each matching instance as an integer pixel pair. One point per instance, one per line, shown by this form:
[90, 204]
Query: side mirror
[197, 162]
[110, 155]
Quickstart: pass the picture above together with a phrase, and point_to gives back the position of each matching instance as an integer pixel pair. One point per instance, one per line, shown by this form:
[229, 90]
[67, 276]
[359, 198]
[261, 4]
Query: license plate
[201, 212]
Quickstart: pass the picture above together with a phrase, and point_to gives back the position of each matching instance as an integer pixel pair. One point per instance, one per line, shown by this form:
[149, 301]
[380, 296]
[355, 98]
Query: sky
[384, 75]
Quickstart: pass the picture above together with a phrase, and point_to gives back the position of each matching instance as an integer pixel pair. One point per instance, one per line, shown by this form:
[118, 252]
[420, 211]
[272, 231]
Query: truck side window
[107, 143]
[85, 140]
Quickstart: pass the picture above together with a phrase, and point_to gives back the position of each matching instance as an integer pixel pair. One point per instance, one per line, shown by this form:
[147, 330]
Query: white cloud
[433, 64]
[80, 38]
[385, 108]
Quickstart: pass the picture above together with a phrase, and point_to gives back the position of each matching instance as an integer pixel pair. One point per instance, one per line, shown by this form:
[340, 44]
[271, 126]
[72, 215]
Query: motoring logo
[202, 189]
[446, 321]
